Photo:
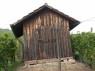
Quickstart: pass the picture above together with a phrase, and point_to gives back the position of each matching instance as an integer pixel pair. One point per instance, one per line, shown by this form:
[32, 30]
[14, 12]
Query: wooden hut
[41, 29]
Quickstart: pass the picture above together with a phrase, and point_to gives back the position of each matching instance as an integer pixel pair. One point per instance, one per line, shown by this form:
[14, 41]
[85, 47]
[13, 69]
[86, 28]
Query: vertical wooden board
[43, 34]
[30, 48]
[69, 44]
[32, 42]
[47, 30]
[49, 41]
[55, 25]
[47, 15]
[28, 40]
[34, 52]
[39, 54]
[45, 19]
[67, 50]
[34, 39]
[37, 49]
[52, 32]
[31, 39]
[41, 46]
[39, 37]
[66, 41]
[44, 48]
[25, 45]
[39, 22]
[36, 43]
[65, 38]
[46, 44]
[62, 36]
[58, 32]
[61, 47]
[54, 43]
[61, 39]
[54, 35]
[69, 41]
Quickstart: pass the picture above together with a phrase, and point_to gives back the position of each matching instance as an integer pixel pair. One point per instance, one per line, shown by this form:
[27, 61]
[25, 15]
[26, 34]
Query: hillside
[5, 31]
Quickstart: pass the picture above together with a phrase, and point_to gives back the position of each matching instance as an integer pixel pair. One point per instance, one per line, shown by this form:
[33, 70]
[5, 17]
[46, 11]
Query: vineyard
[10, 52]
[83, 47]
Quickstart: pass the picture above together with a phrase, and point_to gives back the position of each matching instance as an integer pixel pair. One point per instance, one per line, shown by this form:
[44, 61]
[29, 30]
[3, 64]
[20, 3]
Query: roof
[17, 27]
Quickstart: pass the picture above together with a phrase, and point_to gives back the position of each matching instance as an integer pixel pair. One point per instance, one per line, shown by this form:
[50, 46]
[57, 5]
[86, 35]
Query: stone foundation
[34, 62]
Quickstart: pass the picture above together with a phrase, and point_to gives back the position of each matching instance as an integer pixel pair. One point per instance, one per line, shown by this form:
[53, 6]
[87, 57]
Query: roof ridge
[46, 4]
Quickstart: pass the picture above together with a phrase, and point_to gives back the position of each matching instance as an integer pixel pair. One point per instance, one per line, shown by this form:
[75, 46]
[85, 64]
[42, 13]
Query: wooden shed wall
[40, 36]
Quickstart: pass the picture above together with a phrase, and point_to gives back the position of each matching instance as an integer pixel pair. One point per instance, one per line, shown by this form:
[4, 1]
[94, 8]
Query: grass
[13, 66]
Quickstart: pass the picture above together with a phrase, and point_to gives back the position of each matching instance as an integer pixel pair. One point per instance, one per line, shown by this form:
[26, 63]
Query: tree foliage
[7, 50]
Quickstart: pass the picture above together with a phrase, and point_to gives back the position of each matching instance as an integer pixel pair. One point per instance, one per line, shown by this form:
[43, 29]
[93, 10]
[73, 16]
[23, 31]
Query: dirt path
[66, 66]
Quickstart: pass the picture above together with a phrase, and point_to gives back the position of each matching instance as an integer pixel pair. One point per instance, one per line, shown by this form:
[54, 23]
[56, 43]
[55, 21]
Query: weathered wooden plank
[26, 46]
[25, 56]
[66, 41]
[64, 38]
[40, 36]
[69, 42]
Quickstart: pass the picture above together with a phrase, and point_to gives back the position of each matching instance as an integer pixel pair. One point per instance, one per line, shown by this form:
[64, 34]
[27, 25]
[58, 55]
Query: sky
[13, 10]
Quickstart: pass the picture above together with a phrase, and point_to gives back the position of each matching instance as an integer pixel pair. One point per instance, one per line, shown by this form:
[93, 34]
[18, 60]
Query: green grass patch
[14, 66]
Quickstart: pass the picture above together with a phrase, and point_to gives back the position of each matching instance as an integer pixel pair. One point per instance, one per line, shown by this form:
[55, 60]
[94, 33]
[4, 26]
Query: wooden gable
[17, 27]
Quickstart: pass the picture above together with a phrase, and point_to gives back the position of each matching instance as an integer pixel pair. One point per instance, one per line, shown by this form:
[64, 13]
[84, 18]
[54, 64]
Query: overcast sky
[13, 10]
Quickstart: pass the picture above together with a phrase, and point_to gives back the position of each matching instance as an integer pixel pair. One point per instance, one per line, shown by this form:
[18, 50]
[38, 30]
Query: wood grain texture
[40, 36]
